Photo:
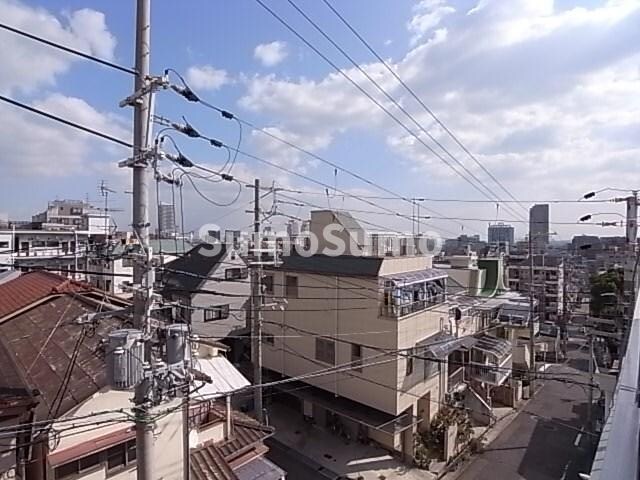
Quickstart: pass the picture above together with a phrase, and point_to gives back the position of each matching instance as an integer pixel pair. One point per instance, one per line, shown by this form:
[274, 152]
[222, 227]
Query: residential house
[109, 268]
[56, 369]
[211, 289]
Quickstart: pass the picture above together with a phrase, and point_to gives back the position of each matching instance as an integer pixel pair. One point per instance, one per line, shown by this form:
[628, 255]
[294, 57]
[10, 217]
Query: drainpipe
[229, 423]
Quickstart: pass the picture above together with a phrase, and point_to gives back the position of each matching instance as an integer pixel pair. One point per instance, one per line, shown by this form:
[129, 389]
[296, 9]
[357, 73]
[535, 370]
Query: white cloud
[28, 64]
[271, 54]
[427, 15]
[543, 97]
[34, 146]
[205, 77]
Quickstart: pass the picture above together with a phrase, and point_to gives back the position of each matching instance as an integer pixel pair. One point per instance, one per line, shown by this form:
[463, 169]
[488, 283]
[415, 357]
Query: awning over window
[442, 344]
[417, 276]
[495, 346]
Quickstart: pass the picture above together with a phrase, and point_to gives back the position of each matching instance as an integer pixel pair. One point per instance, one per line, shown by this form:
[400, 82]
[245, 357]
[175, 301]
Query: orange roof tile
[33, 286]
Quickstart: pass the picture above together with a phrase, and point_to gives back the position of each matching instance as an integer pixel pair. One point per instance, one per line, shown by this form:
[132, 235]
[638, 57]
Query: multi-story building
[72, 215]
[109, 266]
[166, 220]
[347, 301]
[548, 283]
[463, 244]
[500, 234]
[63, 251]
[539, 227]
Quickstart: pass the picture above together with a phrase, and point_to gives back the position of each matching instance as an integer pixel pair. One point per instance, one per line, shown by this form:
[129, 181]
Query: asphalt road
[296, 465]
[549, 448]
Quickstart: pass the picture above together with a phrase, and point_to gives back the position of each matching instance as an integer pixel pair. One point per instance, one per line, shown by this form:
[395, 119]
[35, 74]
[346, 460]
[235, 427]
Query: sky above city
[543, 93]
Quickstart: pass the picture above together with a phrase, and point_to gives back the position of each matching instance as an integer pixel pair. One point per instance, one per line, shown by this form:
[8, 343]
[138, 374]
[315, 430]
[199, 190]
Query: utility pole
[141, 116]
[532, 343]
[256, 297]
[590, 405]
[140, 200]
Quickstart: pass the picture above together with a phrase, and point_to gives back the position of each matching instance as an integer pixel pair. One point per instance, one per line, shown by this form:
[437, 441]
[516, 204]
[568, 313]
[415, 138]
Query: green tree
[610, 282]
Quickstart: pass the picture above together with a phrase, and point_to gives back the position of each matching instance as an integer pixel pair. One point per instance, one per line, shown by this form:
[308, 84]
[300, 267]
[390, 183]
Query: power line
[69, 123]
[313, 180]
[68, 50]
[369, 96]
[421, 102]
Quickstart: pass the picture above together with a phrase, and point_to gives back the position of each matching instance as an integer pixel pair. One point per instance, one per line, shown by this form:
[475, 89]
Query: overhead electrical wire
[421, 102]
[368, 95]
[190, 95]
[69, 123]
[313, 180]
[69, 50]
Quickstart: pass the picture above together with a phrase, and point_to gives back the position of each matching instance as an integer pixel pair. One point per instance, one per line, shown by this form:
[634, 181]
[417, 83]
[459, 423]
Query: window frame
[242, 273]
[291, 290]
[214, 313]
[324, 348]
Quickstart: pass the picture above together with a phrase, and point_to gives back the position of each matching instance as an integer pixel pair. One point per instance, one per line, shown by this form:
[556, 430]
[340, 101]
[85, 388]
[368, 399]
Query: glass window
[356, 356]
[89, 462]
[326, 351]
[291, 289]
[217, 312]
[267, 283]
[66, 470]
[236, 273]
[409, 364]
[131, 451]
[116, 457]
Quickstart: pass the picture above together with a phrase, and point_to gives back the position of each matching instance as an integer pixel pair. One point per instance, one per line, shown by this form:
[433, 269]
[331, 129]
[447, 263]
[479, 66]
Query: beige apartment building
[352, 311]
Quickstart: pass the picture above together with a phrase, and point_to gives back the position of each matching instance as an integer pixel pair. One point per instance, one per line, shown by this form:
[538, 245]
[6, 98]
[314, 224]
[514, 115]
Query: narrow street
[534, 448]
[295, 464]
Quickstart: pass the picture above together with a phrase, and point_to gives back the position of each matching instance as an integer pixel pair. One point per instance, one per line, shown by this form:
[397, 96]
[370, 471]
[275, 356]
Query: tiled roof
[197, 262]
[212, 461]
[244, 437]
[207, 463]
[39, 343]
[33, 286]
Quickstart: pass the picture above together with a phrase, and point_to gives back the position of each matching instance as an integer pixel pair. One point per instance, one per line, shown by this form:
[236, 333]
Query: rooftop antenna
[105, 191]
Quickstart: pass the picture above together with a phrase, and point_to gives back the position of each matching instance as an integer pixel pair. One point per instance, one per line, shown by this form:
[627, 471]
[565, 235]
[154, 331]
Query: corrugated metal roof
[496, 346]
[407, 278]
[224, 376]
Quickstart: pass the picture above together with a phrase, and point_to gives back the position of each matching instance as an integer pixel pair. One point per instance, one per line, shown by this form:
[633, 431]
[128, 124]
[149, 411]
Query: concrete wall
[238, 292]
[167, 449]
[348, 308]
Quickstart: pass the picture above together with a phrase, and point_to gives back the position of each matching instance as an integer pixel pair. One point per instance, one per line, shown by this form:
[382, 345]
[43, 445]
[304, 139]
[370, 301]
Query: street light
[592, 194]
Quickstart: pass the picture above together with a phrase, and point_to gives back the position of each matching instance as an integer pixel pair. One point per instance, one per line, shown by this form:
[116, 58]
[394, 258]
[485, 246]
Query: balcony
[392, 310]
[411, 292]
[491, 360]
[487, 373]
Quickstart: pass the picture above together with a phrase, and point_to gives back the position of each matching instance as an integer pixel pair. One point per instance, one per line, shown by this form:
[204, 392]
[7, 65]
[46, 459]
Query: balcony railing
[393, 310]
[493, 374]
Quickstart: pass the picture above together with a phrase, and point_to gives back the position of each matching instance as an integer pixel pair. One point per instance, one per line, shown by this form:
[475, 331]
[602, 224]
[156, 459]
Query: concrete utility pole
[256, 297]
[532, 343]
[141, 116]
[590, 404]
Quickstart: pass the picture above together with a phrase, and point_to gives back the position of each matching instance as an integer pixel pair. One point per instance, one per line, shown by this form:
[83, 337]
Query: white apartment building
[353, 310]
[59, 250]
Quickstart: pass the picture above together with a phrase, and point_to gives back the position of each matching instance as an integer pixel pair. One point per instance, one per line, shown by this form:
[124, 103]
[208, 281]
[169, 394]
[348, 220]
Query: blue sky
[544, 93]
